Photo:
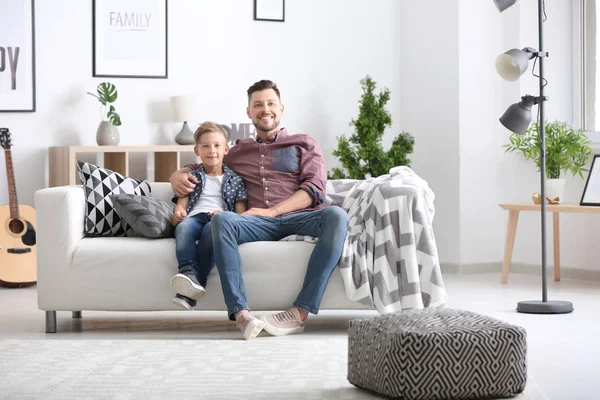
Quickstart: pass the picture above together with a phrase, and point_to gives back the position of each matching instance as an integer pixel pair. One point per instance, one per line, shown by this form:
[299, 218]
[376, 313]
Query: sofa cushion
[148, 217]
[101, 219]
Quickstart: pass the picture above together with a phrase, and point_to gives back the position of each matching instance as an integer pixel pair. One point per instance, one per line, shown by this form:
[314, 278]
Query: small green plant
[107, 93]
[567, 149]
[362, 154]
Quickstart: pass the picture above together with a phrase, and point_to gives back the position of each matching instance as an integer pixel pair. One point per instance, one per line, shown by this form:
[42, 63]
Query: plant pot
[107, 134]
[555, 188]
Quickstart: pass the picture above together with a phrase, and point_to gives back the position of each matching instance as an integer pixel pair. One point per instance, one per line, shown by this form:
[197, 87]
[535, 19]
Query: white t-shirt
[211, 198]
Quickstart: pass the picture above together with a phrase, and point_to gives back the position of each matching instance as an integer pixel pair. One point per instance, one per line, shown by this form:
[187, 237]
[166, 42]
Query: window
[587, 95]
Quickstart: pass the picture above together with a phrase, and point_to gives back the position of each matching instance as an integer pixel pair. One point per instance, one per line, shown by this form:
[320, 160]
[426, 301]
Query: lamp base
[185, 136]
[545, 307]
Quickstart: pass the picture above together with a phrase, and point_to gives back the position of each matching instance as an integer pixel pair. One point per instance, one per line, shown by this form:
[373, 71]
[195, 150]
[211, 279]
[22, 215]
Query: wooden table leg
[511, 231]
[556, 232]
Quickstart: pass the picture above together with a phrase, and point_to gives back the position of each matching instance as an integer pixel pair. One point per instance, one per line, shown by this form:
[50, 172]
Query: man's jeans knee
[330, 225]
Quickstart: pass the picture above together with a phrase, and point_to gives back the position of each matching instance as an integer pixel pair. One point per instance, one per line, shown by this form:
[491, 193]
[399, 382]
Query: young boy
[220, 189]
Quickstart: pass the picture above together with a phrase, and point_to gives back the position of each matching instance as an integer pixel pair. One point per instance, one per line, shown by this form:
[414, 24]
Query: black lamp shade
[518, 116]
[504, 4]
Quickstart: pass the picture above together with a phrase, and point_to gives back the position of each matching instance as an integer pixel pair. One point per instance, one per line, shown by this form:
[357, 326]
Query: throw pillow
[148, 217]
[101, 219]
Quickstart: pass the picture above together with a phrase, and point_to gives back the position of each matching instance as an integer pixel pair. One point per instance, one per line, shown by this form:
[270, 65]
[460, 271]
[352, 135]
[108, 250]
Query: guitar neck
[12, 187]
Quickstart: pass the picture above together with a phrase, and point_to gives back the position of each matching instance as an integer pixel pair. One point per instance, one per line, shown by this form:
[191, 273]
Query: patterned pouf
[437, 353]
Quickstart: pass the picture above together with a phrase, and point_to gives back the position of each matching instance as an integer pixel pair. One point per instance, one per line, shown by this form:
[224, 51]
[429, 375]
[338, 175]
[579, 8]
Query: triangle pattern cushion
[148, 217]
[99, 184]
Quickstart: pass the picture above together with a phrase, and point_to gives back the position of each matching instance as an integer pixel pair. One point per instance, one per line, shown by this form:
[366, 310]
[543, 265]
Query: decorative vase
[555, 188]
[185, 136]
[107, 134]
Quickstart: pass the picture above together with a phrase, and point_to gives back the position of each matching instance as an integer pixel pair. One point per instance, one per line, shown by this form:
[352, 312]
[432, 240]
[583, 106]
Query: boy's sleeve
[242, 193]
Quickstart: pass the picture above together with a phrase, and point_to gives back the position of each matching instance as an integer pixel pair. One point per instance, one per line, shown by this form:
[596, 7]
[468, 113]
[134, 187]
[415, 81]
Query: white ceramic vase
[555, 188]
[107, 134]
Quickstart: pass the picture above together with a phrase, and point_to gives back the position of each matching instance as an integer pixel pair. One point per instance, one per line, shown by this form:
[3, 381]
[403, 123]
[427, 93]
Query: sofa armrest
[60, 214]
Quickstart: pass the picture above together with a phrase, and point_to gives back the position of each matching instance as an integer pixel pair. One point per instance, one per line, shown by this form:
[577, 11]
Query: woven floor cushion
[437, 353]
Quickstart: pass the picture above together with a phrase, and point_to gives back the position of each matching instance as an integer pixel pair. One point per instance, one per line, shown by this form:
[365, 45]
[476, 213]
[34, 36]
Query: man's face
[211, 148]
[265, 111]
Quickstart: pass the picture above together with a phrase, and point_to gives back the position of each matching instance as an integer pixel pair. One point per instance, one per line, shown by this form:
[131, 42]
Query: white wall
[436, 56]
[489, 176]
[317, 57]
[430, 107]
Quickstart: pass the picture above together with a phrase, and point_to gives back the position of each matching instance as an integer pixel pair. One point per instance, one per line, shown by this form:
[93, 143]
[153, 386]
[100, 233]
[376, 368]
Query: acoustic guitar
[17, 232]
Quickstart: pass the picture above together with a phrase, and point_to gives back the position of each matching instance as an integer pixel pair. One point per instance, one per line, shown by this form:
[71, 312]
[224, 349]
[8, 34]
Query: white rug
[266, 368]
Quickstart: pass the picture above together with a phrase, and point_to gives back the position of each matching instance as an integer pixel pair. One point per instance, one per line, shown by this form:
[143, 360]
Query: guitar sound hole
[16, 226]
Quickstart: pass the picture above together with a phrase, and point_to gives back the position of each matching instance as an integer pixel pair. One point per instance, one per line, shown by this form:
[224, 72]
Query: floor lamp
[511, 65]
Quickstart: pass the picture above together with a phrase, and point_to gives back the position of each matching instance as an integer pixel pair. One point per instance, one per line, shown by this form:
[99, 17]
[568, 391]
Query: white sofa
[76, 273]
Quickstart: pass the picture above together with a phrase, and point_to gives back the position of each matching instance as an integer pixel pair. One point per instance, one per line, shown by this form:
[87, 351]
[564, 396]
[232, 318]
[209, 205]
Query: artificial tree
[362, 154]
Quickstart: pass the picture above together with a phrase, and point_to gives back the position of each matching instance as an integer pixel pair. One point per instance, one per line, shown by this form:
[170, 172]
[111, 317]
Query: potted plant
[362, 155]
[567, 150]
[107, 133]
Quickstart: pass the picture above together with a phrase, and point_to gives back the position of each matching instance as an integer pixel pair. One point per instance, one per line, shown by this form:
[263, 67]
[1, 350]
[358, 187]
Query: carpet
[266, 368]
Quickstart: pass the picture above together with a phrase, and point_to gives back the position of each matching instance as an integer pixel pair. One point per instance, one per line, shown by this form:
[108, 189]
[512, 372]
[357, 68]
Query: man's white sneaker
[284, 323]
[250, 326]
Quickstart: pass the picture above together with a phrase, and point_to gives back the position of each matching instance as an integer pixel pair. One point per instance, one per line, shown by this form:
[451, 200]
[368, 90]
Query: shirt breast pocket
[287, 160]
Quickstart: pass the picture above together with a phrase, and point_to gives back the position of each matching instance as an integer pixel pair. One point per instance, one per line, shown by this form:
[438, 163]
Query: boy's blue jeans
[193, 246]
[229, 230]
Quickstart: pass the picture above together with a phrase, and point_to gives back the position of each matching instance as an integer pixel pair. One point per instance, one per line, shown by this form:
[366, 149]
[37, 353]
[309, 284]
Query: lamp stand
[544, 306]
[185, 136]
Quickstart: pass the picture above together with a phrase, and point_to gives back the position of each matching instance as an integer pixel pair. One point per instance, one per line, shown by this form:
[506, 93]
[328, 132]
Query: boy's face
[211, 148]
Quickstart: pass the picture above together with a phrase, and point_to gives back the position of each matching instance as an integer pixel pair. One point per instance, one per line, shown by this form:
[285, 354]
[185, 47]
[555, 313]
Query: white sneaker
[250, 326]
[284, 323]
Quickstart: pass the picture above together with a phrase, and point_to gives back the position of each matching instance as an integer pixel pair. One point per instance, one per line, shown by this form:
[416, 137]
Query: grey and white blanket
[390, 258]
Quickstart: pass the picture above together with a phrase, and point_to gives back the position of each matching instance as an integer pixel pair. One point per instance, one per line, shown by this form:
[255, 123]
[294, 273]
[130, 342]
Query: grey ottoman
[437, 353]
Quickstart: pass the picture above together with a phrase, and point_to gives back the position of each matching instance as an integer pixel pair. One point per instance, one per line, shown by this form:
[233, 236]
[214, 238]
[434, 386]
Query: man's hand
[212, 214]
[261, 212]
[178, 215]
[183, 183]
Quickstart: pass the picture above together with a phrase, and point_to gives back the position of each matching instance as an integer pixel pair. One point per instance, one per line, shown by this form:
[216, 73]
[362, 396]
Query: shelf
[63, 170]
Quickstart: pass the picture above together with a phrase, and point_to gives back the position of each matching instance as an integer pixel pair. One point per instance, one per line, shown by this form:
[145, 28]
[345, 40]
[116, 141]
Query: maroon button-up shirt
[274, 171]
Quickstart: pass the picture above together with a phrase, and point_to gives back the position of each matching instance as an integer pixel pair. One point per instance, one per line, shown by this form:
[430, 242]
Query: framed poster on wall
[591, 191]
[17, 56]
[129, 38]
[269, 10]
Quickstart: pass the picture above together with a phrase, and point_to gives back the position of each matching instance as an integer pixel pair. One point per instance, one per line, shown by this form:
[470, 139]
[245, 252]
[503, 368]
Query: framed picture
[591, 192]
[269, 10]
[129, 38]
[17, 56]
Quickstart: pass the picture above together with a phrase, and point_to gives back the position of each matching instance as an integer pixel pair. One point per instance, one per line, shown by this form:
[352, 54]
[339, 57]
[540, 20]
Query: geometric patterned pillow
[101, 219]
[148, 217]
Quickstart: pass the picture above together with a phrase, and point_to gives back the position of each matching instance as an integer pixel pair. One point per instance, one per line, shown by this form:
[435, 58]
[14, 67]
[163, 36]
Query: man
[285, 178]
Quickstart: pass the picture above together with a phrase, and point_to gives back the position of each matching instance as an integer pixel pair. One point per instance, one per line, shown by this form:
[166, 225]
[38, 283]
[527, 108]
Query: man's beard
[261, 128]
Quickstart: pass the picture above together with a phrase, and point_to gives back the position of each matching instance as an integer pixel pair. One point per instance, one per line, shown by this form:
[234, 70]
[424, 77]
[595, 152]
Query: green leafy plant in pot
[362, 154]
[107, 133]
[567, 150]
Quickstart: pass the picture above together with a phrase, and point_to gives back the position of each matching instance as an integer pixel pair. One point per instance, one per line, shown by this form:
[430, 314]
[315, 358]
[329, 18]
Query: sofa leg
[76, 314]
[50, 321]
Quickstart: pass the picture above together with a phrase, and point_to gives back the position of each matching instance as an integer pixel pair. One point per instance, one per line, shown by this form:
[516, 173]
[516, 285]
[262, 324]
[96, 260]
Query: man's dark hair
[263, 85]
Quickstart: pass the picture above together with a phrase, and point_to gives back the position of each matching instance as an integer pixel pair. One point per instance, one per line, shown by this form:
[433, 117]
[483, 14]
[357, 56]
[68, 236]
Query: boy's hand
[212, 214]
[178, 215]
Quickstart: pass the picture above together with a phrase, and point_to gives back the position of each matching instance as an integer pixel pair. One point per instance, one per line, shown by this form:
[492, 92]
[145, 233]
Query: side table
[556, 209]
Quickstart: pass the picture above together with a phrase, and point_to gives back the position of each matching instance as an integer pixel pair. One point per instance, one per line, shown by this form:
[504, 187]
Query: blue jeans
[193, 246]
[330, 225]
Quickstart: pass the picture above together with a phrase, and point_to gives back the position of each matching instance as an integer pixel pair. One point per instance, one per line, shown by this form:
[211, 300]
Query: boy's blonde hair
[207, 127]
